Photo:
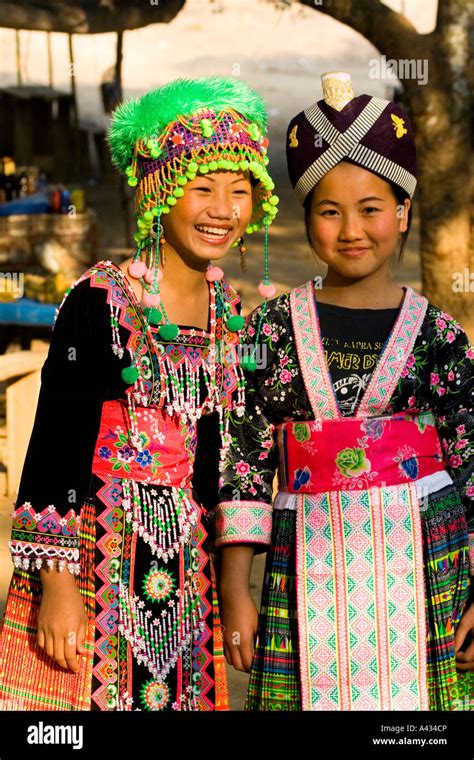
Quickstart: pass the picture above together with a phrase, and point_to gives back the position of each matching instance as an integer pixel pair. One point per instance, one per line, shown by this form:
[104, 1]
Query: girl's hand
[239, 621]
[62, 620]
[465, 660]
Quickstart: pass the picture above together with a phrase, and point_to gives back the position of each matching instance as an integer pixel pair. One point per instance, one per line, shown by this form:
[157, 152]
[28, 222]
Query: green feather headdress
[163, 139]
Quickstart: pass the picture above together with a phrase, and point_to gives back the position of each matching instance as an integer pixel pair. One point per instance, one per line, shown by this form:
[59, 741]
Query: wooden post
[124, 199]
[76, 111]
[19, 78]
[50, 59]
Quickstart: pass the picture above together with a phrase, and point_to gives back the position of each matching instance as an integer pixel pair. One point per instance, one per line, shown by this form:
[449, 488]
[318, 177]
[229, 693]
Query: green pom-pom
[136, 237]
[248, 363]
[130, 375]
[182, 180]
[169, 332]
[165, 209]
[132, 181]
[244, 165]
[129, 171]
[148, 215]
[192, 167]
[208, 132]
[153, 315]
[178, 192]
[274, 200]
[171, 201]
[155, 153]
[213, 166]
[203, 169]
[235, 323]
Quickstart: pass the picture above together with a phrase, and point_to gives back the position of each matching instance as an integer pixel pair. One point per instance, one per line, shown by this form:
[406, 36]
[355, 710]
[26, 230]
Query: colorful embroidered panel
[240, 521]
[361, 603]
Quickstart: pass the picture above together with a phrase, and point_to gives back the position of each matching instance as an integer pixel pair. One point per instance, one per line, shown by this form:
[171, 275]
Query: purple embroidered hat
[370, 132]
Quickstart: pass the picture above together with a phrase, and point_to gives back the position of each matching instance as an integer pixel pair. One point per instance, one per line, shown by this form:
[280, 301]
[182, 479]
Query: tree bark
[440, 113]
[77, 18]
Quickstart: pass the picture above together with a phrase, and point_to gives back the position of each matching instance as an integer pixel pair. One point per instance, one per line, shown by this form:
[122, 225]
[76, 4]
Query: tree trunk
[440, 111]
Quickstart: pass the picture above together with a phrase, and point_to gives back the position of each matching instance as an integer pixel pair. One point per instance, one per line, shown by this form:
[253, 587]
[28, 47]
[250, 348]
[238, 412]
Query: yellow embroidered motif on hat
[399, 125]
[292, 138]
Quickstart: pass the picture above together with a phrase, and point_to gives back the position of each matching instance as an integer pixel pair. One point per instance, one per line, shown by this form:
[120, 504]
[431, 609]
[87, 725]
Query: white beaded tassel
[337, 89]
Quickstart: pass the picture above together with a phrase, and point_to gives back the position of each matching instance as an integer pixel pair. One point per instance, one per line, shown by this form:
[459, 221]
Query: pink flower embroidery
[263, 455]
[411, 401]
[450, 336]
[253, 490]
[470, 491]
[257, 479]
[284, 361]
[251, 331]
[462, 443]
[440, 391]
[434, 378]
[455, 460]
[450, 375]
[461, 429]
[275, 337]
[242, 468]
[470, 353]
[411, 361]
[267, 329]
[285, 376]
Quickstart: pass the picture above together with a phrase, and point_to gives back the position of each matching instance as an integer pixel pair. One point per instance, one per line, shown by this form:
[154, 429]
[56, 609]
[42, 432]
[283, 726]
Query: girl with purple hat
[364, 405]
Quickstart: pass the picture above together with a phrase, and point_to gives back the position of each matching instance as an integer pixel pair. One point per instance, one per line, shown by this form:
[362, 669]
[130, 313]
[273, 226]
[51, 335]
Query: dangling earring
[243, 255]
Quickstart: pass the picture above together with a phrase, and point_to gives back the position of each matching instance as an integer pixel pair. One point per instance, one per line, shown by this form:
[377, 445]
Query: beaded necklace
[184, 380]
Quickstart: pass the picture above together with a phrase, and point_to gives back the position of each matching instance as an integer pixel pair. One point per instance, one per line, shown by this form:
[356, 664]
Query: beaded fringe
[61, 558]
[158, 643]
[163, 521]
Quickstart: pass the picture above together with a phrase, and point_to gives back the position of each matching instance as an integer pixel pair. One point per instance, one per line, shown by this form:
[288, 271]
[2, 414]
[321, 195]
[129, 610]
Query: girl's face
[211, 215]
[355, 221]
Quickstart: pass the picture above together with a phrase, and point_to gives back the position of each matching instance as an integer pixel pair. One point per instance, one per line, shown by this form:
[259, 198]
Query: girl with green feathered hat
[112, 603]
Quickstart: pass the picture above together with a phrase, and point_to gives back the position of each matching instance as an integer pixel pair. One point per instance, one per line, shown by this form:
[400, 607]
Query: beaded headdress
[189, 126]
[370, 132]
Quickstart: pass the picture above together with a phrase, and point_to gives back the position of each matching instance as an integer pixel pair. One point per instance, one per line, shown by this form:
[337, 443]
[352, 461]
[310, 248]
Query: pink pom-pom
[150, 276]
[137, 269]
[266, 291]
[214, 273]
[149, 300]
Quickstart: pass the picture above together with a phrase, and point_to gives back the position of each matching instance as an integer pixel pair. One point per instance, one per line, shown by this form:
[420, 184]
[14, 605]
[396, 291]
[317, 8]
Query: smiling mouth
[353, 251]
[213, 234]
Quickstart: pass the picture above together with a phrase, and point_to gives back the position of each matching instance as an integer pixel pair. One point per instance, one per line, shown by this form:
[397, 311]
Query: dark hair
[400, 196]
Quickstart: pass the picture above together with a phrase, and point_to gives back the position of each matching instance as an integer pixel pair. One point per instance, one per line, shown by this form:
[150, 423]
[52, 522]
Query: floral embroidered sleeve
[57, 468]
[244, 513]
[452, 386]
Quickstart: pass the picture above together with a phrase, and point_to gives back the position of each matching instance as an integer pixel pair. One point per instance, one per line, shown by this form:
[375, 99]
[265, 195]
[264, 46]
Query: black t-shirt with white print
[353, 340]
